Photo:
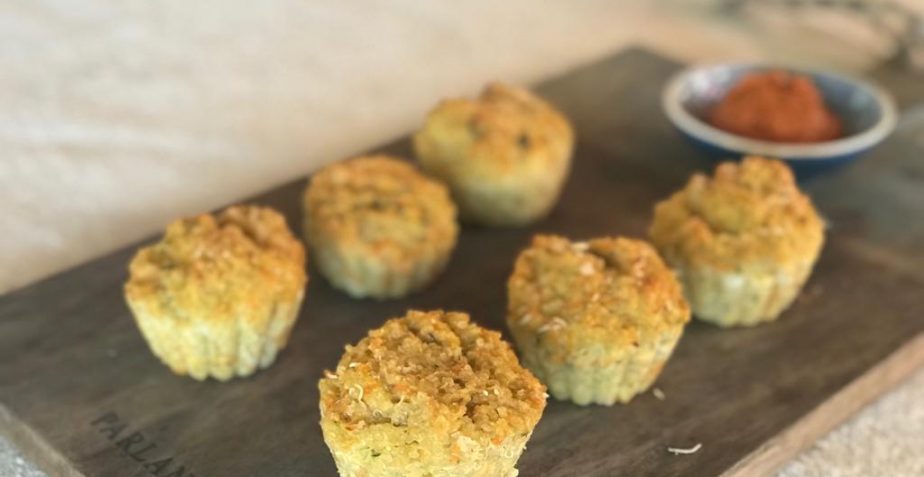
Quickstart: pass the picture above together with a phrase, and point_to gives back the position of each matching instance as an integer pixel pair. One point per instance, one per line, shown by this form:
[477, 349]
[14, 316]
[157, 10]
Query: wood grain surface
[82, 395]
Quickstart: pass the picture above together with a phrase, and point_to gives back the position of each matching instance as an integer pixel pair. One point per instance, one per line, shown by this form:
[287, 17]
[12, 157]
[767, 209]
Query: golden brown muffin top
[611, 288]
[750, 211]
[381, 203]
[216, 266]
[433, 369]
[503, 131]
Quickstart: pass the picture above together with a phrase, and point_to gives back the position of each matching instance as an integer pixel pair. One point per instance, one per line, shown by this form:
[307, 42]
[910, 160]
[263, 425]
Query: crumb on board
[658, 394]
[683, 451]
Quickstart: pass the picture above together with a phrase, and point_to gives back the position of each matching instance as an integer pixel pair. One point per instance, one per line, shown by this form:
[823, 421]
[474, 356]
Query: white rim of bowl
[670, 101]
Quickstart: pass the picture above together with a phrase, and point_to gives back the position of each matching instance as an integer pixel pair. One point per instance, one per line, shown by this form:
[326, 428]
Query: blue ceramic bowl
[867, 112]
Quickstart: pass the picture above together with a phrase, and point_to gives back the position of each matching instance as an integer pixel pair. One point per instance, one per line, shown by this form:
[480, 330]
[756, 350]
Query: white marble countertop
[118, 116]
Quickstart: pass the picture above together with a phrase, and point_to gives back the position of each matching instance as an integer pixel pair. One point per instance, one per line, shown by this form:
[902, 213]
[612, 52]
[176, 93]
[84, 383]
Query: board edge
[33, 447]
[824, 418]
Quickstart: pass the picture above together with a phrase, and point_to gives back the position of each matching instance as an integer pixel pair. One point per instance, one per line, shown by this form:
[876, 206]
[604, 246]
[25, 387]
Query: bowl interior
[857, 107]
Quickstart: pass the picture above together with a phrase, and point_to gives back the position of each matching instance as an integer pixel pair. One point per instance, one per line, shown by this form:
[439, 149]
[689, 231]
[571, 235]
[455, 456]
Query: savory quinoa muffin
[504, 155]
[743, 242]
[595, 321]
[430, 394]
[218, 295]
[377, 227]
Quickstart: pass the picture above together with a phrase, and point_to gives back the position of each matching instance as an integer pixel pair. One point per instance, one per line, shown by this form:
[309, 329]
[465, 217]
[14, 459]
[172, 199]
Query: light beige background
[117, 116]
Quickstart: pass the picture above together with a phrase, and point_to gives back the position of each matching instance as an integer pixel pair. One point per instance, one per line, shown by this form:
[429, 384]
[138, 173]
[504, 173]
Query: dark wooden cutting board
[81, 394]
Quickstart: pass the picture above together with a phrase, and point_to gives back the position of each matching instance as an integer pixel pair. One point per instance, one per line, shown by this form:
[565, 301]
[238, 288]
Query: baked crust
[219, 267]
[746, 214]
[440, 366]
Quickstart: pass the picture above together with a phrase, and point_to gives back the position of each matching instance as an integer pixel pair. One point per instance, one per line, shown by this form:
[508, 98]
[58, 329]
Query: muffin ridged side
[219, 294]
[743, 242]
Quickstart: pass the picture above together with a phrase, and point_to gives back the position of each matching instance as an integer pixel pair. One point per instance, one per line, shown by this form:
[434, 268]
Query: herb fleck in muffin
[504, 155]
[595, 321]
[430, 394]
[377, 227]
[743, 242]
[218, 295]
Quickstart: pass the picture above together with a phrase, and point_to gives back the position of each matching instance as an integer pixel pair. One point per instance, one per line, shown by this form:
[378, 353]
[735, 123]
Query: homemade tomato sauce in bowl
[814, 120]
